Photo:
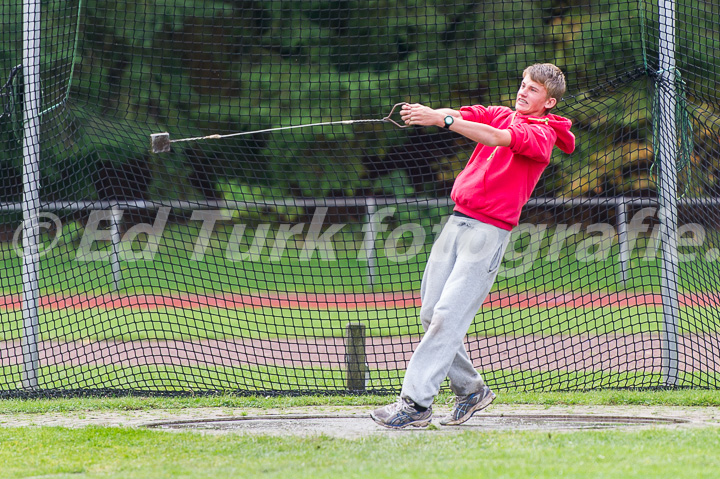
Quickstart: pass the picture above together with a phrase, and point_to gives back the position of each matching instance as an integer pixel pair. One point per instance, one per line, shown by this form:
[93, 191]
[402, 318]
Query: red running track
[615, 352]
[351, 301]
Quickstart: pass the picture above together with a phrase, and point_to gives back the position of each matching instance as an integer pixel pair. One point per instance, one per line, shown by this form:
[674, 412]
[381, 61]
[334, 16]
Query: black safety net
[220, 196]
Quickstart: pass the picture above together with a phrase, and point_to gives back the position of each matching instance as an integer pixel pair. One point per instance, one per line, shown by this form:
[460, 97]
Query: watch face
[449, 120]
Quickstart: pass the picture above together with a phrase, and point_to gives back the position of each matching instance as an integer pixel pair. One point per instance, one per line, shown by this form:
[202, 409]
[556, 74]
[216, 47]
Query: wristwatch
[449, 120]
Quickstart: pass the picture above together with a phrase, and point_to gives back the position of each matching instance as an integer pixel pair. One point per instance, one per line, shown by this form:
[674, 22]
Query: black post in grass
[355, 356]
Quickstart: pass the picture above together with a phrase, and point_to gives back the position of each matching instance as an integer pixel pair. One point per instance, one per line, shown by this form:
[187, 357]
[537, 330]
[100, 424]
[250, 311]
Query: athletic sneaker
[466, 406]
[401, 414]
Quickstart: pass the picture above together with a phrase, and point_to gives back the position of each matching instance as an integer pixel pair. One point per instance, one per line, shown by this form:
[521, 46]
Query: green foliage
[197, 67]
[252, 209]
[10, 102]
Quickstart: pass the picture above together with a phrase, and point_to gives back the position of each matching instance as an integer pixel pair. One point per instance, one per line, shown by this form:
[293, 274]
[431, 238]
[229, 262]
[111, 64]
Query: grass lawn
[175, 270]
[128, 453]
[209, 379]
[166, 323]
[130, 402]
[104, 452]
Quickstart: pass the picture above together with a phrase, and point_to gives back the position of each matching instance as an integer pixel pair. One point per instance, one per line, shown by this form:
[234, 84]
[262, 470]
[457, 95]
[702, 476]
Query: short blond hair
[549, 76]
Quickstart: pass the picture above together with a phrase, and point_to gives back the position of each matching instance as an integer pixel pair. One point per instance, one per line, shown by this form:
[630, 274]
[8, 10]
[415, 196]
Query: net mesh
[290, 261]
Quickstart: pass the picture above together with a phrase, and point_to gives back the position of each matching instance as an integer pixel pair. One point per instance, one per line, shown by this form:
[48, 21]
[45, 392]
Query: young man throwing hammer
[514, 147]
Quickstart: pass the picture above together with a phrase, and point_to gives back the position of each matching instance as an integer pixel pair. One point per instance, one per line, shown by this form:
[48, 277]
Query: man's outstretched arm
[421, 115]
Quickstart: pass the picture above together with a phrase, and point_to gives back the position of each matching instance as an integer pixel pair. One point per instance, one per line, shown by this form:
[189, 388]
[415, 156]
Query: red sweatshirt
[494, 187]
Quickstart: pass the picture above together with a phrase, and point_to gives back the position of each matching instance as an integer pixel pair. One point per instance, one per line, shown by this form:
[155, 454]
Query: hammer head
[160, 142]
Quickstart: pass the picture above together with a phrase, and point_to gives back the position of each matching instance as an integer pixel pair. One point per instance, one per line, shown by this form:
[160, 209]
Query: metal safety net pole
[31, 192]
[667, 179]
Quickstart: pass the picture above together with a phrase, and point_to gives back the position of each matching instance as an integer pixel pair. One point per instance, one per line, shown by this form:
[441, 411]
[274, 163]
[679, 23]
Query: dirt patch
[354, 422]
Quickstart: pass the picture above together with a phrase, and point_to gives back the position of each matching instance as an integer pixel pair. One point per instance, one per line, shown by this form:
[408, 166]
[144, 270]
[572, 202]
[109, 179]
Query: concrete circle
[355, 425]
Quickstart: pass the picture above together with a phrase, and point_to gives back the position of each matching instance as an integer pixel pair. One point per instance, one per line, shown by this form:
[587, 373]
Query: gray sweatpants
[459, 274]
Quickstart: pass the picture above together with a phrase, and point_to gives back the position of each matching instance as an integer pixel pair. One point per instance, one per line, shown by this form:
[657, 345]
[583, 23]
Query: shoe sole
[423, 423]
[486, 401]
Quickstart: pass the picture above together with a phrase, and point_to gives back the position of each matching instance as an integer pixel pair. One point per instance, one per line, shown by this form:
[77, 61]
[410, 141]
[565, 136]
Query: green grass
[95, 452]
[127, 324]
[596, 397]
[173, 270]
[131, 324]
[297, 380]
[123, 453]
